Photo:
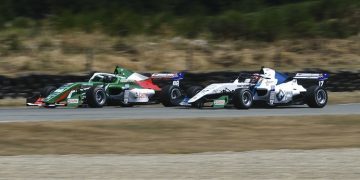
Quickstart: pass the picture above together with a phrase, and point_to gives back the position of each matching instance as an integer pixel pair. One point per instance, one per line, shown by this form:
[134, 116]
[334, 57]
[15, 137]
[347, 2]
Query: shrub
[23, 22]
[231, 25]
[124, 24]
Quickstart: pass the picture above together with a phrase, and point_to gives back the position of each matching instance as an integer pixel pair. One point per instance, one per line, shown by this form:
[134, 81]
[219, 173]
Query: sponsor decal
[280, 95]
[220, 102]
[73, 101]
[160, 75]
[242, 86]
[140, 95]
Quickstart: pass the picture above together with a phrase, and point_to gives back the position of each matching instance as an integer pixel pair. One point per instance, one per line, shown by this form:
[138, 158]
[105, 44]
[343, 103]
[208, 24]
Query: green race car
[123, 87]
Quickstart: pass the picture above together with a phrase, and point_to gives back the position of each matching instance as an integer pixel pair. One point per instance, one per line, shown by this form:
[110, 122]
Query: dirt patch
[179, 136]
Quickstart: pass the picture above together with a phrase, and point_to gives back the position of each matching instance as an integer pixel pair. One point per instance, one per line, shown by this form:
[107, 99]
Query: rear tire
[96, 97]
[46, 91]
[316, 97]
[242, 98]
[171, 96]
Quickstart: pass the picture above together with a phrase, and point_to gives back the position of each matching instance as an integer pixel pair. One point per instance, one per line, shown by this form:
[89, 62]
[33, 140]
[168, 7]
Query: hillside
[80, 52]
[169, 35]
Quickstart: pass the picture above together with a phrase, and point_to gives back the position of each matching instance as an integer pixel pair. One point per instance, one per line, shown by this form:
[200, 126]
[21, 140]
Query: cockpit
[103, 77]
[267, 73]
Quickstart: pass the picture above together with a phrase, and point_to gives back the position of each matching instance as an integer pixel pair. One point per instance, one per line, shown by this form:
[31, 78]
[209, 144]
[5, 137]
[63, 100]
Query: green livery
[220, 102]
[123, 87]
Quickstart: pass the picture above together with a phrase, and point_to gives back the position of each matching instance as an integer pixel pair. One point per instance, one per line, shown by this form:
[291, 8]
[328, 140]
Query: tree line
[264, 20]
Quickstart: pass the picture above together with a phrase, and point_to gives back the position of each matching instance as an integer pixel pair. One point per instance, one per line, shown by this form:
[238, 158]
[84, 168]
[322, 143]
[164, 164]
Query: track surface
[158, 112]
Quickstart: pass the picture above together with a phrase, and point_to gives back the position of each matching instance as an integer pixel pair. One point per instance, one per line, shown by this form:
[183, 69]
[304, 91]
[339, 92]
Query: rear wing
[168, 76]
[314, 76]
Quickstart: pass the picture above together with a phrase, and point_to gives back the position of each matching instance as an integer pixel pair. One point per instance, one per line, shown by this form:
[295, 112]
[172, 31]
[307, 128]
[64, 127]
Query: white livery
[269, 87]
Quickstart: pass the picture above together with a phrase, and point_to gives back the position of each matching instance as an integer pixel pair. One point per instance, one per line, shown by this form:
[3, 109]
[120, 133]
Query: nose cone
[211, 89]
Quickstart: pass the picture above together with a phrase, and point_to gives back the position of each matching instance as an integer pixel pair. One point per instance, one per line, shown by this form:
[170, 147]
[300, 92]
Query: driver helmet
[255, 78]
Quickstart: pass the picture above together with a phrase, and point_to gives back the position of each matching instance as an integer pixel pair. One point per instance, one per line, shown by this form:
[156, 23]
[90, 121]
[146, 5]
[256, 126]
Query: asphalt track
[157, 112]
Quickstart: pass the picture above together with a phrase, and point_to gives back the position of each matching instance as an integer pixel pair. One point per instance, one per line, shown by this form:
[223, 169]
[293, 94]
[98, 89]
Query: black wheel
[193, 90]
[96, 97]
[242, 98]
[171, 96]
[316, 97]
[46, 91]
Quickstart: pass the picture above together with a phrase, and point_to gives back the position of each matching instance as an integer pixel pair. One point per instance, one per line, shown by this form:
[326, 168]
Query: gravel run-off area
[264, 164]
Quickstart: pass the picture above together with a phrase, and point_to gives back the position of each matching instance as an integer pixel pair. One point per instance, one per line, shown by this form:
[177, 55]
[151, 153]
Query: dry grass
[179, 136]
[67, 53]
[12, 102]
[344, 97]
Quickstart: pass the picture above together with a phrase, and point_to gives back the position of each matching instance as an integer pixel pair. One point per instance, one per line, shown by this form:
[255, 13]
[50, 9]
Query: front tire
[193, 90]
[171, 96]
[316, 97]
[46, 91]
[242, 98]
[96, 97]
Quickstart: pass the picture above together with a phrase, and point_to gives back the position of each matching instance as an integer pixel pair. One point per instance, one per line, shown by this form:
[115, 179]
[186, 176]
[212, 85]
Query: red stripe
[148, 84]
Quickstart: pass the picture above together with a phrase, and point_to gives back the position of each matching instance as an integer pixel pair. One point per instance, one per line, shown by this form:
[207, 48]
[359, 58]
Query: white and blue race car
[266, 87]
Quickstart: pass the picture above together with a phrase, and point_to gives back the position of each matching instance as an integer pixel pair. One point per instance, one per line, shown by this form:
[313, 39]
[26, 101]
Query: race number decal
[176, 83]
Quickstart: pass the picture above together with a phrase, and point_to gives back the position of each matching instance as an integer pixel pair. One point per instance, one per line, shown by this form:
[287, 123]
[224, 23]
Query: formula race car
[123, 88]
[268, 87]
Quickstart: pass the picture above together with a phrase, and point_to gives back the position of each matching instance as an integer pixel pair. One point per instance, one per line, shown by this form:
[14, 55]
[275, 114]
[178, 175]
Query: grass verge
[179, 136]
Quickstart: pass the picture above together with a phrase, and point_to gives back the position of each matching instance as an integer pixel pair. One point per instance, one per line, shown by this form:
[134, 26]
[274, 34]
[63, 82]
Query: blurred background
[57, 37]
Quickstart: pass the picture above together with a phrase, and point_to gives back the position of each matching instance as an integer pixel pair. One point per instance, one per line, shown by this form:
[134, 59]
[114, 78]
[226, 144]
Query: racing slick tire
[193, 90]
[171, 96]
[96, 97]
[316, 97]
[46, 91]
[242, 98]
